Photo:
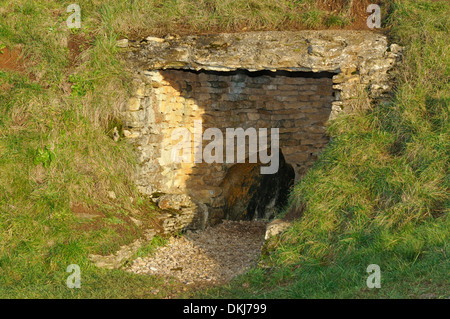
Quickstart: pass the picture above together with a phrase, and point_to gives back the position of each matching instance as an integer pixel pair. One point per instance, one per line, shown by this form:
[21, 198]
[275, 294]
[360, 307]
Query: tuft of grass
[336, 21]
[312, 19]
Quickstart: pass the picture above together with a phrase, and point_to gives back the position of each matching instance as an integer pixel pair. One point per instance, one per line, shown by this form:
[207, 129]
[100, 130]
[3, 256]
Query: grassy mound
[380, 189]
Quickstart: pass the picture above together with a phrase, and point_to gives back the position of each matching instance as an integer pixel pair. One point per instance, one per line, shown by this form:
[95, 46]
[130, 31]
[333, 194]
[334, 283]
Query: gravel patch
[214, 255]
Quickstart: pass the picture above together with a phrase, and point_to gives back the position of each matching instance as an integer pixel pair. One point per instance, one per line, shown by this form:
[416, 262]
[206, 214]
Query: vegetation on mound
[380, 188]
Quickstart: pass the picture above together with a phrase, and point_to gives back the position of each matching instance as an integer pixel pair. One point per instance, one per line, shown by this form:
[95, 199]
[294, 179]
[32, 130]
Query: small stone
[134, 104]
[126, 133]
[395, 48]
[154, 39]
[123, 43]
[276, 227]
[115, 134]
[136, 221]
[129, 134]
[111, 195]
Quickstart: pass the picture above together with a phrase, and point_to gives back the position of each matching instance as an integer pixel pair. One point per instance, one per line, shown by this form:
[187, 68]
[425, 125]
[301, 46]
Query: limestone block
[123, 43]
[129, 134]
[135, 119]
[174, 201]
[134, 104]
[275, 227]
[253, 116]
[154, 39]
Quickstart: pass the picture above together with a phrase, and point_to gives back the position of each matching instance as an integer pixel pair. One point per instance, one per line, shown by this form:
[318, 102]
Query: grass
[56, 154]
[381, 186]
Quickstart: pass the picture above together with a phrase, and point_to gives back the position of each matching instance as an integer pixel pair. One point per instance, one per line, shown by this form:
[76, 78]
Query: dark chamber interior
[251, 195]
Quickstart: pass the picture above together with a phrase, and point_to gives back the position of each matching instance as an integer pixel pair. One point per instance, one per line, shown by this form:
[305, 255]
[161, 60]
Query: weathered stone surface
[181, 213]
[277, 50]
[123, 43]
[240, 100]
[174, 201]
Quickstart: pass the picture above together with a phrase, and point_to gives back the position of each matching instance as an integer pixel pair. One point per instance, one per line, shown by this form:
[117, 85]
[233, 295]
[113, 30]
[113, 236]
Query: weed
[44, 156]
[312, 18]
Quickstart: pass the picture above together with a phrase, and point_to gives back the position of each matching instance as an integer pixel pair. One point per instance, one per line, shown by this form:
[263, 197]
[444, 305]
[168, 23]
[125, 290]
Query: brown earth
[77, 43]
[126, 227]
[12, 60]
[82, 211]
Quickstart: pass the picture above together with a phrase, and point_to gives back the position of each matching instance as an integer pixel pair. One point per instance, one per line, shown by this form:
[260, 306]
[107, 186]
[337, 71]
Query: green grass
[55, 152]
[380, 187]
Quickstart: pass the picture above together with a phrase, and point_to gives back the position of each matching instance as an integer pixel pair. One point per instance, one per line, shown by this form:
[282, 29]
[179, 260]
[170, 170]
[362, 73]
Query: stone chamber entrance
[293, 81]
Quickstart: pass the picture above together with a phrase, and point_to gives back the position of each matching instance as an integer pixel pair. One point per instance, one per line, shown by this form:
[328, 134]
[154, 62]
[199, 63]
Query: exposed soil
[83, 211]
[12, 60]
[294, 213]
[126, 228]
[77, 43]
[357, 12]
[213, 256]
